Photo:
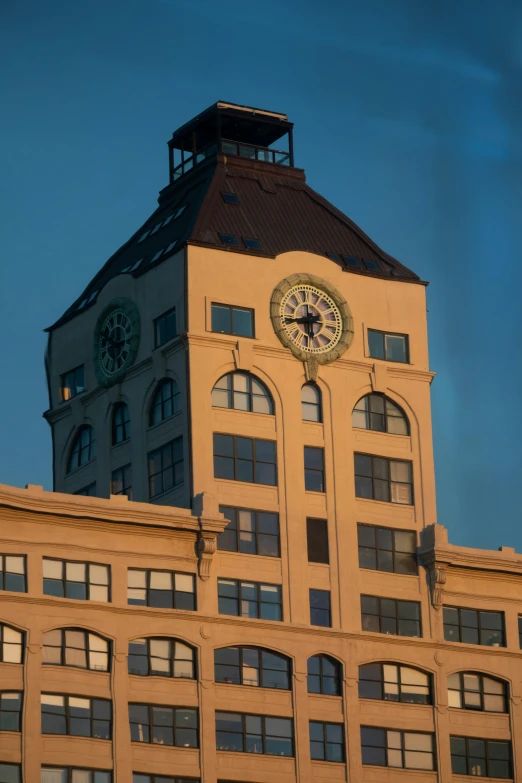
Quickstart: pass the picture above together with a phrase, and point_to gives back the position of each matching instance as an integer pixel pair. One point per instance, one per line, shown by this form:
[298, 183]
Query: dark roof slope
[276, 207]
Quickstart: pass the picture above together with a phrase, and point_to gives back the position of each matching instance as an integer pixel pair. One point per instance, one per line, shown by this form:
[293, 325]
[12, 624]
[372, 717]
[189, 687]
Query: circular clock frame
[340, 333]
[130, 319]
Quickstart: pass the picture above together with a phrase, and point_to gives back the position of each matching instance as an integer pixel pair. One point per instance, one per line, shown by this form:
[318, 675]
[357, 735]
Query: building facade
[277, 602]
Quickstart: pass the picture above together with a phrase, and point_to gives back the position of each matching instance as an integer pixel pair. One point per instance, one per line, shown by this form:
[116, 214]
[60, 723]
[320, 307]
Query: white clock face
[311, 319]
[114, 342]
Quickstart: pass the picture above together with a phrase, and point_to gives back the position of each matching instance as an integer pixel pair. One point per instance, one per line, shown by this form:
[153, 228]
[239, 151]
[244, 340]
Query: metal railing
[250, 151]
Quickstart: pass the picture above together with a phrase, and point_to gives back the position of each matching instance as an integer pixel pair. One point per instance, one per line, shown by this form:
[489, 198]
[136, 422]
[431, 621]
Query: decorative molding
[206, 548]
[379, 378]
[244, 355]
[311, 368]
[437, 579]
[211, 524]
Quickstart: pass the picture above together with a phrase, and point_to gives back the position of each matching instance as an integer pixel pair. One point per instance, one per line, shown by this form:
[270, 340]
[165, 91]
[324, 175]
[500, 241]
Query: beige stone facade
[329, 586]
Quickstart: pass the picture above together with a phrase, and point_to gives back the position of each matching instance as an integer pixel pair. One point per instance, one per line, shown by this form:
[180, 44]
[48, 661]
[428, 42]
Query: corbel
[437, 579]
[379, 378]
[211, 523]
[311, 368]
[244, 355]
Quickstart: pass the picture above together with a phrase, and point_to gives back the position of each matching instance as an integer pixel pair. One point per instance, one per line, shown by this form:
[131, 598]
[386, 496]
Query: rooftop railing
[250, 151]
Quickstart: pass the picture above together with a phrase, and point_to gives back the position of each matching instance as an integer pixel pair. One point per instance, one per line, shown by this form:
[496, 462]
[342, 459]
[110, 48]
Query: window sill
[77, 600]
[268, 558]
[405, 770]
[389, 573]
[245, 483]
[80, 467]
[155, 426]
[386, 503]
[163, 494]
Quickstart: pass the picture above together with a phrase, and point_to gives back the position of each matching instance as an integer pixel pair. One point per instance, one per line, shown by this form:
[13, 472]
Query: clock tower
[249, 341]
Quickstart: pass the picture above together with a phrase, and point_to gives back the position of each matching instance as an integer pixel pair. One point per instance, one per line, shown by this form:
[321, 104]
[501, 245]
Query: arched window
[11, 645]
[252, 666]
[324, 675]
[393, 682]
[82, 450]
[75, 647]
[156, 657]
[379, 413]
[474, 691]
[120, 423]
[166, 401]
[242, 392]
[311, 402]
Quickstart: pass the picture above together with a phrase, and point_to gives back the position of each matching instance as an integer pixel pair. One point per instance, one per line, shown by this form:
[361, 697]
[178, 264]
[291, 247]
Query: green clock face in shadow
[116, 340]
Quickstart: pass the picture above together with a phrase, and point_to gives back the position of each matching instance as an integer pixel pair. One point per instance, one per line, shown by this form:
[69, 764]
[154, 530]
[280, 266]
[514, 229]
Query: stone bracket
[437, 579]
[379, 378]
[244, 355]
[311, 368]
[211, 523]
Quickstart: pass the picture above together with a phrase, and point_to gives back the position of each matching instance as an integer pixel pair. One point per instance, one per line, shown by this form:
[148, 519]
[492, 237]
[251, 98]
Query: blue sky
[408, 118]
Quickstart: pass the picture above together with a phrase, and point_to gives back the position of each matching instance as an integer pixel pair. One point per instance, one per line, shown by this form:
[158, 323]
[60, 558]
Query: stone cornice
[435, 549]
[270, 628]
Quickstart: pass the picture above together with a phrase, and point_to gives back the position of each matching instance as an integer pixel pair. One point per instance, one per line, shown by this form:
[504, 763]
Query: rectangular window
[387, 615]
[157, 725]
[72, 383]
[403, 749]
[379, 478]
[232, 320]
[13, 573]
[391, 347]
[10, 711]
[326, 741]
[73, 775]
[320, 611]
[314, 469]
[387, 549]
[121, 483]
[77, 716]
[473, 626]
[82, 581]
[251, 244]
[481, 757]
[254, 734]
[245, 459]
[229, 198]
[251, 532]
[10, 773]
[317, 540]
[249, 599]
[166, 467]
[88, 491]
[165, 327]
[163, 589]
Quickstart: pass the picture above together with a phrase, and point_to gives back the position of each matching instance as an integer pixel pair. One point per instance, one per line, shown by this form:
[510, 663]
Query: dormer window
[168, 219]
[251, 244]
[180, 211]
[229, 239]
[156, 228]
[143, 236]
[230, 198]
[371, 265]
[156, 255]
[352, 261]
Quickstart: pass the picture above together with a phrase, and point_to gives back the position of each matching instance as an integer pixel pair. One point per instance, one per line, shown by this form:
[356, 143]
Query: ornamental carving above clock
[116, 340]
[311, 318]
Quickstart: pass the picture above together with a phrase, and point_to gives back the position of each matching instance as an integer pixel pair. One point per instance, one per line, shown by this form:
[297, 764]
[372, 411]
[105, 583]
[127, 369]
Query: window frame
[249, 394]
[63, 647]
[338, 677]
[466, 740]
[479, 627]
[172, 659]
[87, 583]
[402, 733]
[315, 609]
[255, 462]
[20, 644]
[224, 509]
[158, 401]
[67, 716]
[263, 735]
[89, 491]
[318, 406]
[325, 743]
[90, 448]
[157, 326]
[151, 725]
[174, 465]
[70, 771]
[260, 668]
[74, 371]
[462, 690]
[17, 712]
[388, 479]
[397, 619]
[126, 488]
[231, 308]
[153, 778]
[393, 550]
[368, 411]
[385, 334]
[124, 424]
[382, 681]
[315, 471]
[148, 588]
[4, 572]
[257, 600]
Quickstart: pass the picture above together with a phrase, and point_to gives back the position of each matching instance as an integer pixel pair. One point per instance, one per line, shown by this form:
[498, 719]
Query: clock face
[114, 347]
[116, 340]
[311, 319]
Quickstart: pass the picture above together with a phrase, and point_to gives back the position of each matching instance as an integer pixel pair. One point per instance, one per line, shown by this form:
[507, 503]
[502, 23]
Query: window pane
[243, 323]
[376, 344]
[221, 319]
